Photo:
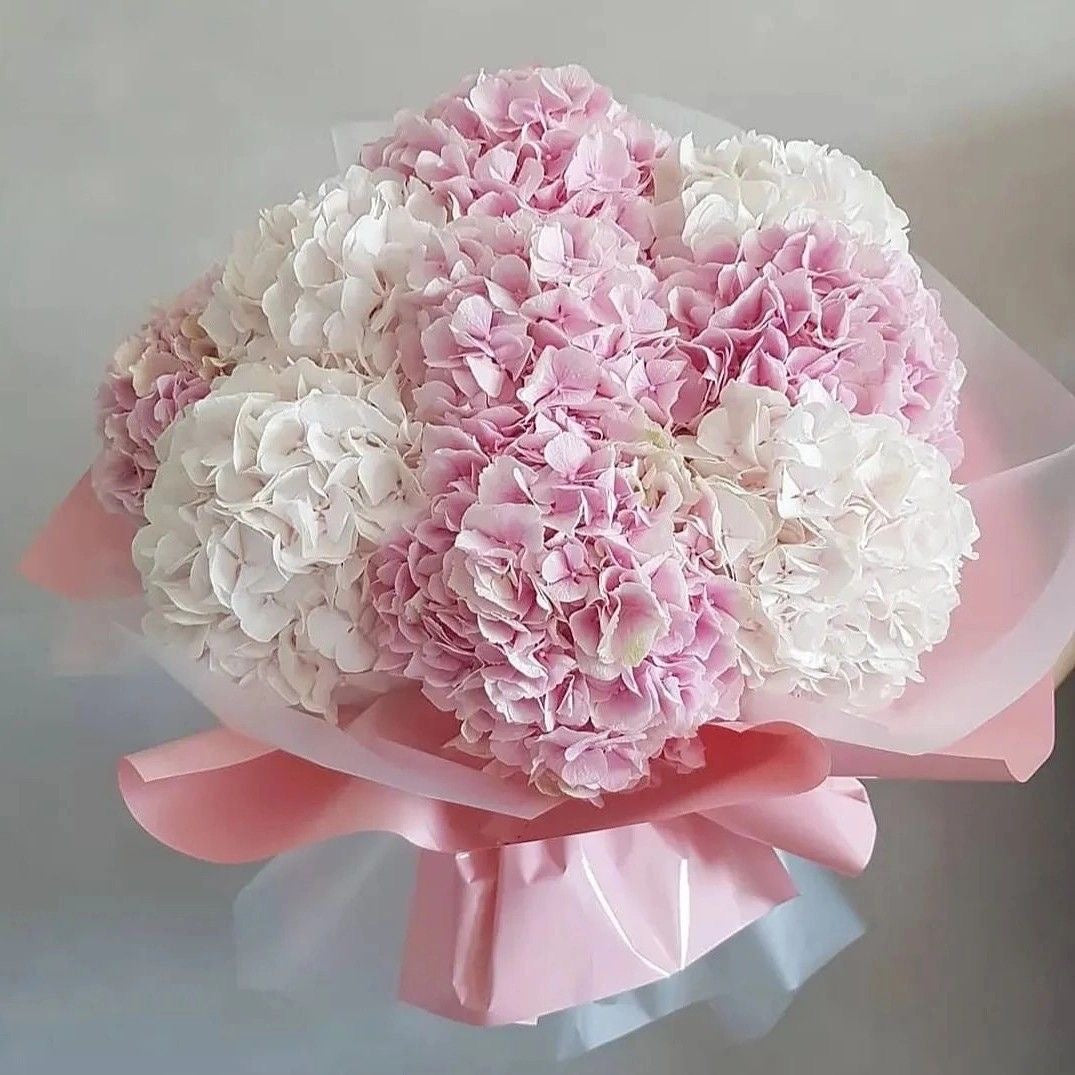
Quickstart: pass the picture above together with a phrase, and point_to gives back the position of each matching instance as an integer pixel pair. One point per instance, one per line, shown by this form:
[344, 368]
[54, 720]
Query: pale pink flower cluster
[154, 375]
[548, 138]
[536, 310]
[782, 308]
[556, 601]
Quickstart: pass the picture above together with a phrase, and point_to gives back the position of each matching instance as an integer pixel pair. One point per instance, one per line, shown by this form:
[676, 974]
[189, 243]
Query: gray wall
[137, 135]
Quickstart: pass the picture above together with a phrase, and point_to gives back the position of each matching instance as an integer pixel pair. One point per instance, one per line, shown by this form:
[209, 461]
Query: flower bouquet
[590, 508]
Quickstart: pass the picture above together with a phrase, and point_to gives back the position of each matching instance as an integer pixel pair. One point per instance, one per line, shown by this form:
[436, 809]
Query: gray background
[136, 136]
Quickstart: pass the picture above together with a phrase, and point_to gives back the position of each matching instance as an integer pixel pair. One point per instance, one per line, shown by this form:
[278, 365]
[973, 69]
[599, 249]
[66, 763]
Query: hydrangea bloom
[546, 138]
[335, 291]
[270, 493]
[752, 180]
[554, 601]
[235, 319]
[152, 378]
[848, 534]
[535, 311]
[784, 309]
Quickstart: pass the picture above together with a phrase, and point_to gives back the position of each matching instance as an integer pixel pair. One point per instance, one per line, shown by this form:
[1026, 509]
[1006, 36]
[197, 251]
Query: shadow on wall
[991, 205]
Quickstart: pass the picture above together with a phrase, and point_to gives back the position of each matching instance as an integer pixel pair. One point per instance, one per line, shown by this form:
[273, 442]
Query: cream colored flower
[753, 180]
[848, 534]
[270, 494]
[234, 318]
[335, 290]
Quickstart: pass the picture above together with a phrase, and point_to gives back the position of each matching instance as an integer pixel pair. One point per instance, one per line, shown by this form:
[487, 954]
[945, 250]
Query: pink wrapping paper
[831, 824]
[204, 796]
[604, 912]
[649, 899]
[1011, 746]
[629, 886]
[83, 552]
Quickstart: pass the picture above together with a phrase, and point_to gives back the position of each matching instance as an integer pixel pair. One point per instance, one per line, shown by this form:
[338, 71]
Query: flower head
[554, 600]
[154, 375]
[848, 535]
[753, 180]
[784, 309]
[271, 492]
[545, 138]
[235, 318]
[533, 312]
[336, 290]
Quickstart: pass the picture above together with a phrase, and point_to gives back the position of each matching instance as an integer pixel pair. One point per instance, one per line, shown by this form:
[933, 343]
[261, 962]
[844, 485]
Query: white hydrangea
[752, 180]
[847, 534]
[318, 277]
[234, 318]
[334, 292]
[270, 494]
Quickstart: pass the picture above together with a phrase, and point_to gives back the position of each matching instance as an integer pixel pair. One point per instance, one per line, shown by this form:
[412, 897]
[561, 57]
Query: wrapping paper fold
[650, 897]
[325, 925]
[606, 911]
[83, 552]
[200, 795]
[1013, 745]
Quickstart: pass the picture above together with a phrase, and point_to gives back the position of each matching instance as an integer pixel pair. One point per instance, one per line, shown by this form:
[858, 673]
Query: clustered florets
[584, 430]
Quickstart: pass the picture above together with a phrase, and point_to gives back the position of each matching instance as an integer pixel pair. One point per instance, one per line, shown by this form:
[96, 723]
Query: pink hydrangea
[547, 138]
[533, 311]
[154, 375]
[560, 600]
[783, 308]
